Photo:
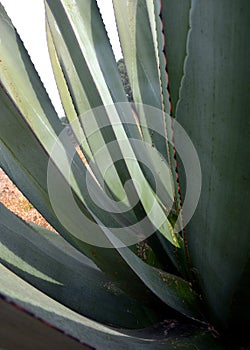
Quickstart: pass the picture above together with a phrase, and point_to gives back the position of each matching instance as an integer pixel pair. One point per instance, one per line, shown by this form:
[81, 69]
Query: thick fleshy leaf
[175, 19]
[73, 24]
[82, 94]
[168, 335]
[184, 300]
[214, 109]
[140, 31]
[172, 290]
[72, 63]
[32, 256]
[31, 179]
[87, 64]
[90, 41]
[14, 123]
[137, 28]
[66, 99]
[139, 48]
[32, 157]
[108, 260]
[19, 329]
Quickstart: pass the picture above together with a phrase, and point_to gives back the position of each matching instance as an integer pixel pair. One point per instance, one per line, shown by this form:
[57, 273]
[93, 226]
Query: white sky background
[29, 19]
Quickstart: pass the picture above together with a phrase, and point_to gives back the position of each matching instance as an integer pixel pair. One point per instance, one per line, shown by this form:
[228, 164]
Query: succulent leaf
[214, 109]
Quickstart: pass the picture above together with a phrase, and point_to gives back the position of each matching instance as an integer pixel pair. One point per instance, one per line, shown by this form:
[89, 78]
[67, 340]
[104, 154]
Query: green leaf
[172, 290]
[74, 38]
[32, 180]
[33, 171]
[175, 19]
[37, 259]
[159, 337]
[137, 35]
[32, 157]
[19, 329]
[185, 301]
[79, 66]
[66, 99]
[85, 39]
[108, 260]
[14, 123]
[214, 109]
[22, 82]
[74, 80]
[140, 31]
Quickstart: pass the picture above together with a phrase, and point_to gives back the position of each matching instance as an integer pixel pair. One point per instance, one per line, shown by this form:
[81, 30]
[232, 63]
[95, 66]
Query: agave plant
[129, 275]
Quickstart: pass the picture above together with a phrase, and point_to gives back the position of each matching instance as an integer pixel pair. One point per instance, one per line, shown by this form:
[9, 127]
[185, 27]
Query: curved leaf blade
[43, 335]
[175, 18]
[214, 109]
[95, 334]
[30, 161]
[53, 271]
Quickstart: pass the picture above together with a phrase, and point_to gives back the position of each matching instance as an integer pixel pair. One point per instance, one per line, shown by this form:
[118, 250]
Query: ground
[13, 199]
